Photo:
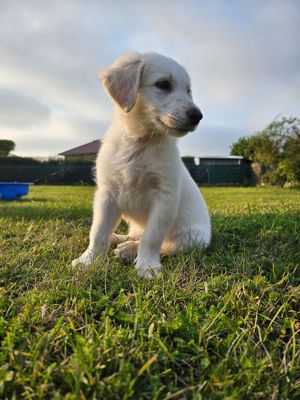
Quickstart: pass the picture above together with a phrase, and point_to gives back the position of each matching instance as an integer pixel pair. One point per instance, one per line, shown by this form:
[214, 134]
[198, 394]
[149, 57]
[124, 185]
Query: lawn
[219, 324]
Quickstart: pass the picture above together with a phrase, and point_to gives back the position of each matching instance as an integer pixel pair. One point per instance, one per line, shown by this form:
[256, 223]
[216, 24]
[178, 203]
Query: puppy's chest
[141, 173]
[138, 174]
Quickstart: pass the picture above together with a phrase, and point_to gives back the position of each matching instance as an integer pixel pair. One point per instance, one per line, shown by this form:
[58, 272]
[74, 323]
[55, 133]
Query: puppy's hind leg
[127, 250]
[116, 239]
[196, 238]
[135, 232]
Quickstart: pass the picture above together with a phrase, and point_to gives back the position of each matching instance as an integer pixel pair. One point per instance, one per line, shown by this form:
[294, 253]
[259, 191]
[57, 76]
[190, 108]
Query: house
[86, 152]
[220, 170]
[214, 160]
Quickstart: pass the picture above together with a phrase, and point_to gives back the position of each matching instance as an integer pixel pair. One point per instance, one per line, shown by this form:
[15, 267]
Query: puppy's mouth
[175, 130]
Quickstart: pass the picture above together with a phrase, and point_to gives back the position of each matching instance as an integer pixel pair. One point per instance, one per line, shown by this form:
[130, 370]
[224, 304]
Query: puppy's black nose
[194, 115]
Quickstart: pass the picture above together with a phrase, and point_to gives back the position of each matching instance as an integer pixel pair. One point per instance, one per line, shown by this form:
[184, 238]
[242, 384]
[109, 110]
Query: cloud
[18, 110]
[243, 58]
[63, 131]
[210, 140]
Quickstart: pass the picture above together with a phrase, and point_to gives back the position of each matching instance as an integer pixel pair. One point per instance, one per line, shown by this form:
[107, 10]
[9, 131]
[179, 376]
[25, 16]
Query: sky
[243, 58]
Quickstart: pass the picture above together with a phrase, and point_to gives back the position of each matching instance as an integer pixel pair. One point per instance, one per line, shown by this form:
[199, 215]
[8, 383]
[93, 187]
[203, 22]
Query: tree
[6, 146]
[291, 162]
[275, 149]
[243, 147]
[188, 160]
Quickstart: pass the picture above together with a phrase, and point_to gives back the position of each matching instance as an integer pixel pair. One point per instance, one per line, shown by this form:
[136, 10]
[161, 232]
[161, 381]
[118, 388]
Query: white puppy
[139, 171]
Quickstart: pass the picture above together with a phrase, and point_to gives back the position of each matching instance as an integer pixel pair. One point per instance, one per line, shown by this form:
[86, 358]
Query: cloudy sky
[243, 58]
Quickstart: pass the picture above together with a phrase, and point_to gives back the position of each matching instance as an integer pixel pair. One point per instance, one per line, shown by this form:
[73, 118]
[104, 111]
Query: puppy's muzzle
[194, 116]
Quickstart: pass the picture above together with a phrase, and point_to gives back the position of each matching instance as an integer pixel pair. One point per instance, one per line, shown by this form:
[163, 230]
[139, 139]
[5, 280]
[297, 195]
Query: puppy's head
[154, 91]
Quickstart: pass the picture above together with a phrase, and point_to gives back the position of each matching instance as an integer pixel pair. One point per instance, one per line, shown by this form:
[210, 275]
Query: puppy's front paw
[148, 270]
[85, 259]
[126, 251]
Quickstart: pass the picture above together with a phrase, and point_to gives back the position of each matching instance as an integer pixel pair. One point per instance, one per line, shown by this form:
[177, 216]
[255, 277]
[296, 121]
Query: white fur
[139, 171]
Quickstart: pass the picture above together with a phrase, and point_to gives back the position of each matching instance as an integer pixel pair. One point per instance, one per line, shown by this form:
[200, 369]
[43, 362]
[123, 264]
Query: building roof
[87, 149]
[222, 157]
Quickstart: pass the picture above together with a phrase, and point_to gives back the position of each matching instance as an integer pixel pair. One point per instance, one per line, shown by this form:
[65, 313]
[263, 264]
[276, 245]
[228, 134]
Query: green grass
[219, 324]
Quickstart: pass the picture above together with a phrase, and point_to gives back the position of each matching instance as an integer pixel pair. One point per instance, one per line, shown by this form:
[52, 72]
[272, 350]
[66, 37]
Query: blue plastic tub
[13, 190]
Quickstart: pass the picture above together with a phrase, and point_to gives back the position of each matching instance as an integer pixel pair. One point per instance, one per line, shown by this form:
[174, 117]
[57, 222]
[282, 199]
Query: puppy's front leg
[106, 216]
[159, 223]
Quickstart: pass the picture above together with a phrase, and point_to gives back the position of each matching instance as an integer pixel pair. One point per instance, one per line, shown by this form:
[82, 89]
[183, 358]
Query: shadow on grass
[28, 210]
[34, 200]
[259, 238]
[233, 227]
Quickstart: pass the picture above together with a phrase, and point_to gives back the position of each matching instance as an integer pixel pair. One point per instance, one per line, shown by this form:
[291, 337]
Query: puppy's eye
[189, 91]
[163, 85]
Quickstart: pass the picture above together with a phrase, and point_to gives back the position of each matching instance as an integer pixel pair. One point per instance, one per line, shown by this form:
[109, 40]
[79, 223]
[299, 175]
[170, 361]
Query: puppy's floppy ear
[122, 80]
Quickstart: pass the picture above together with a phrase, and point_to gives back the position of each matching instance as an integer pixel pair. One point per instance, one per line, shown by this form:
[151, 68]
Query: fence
[222, 174]
[57, 174]
[72, 174]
